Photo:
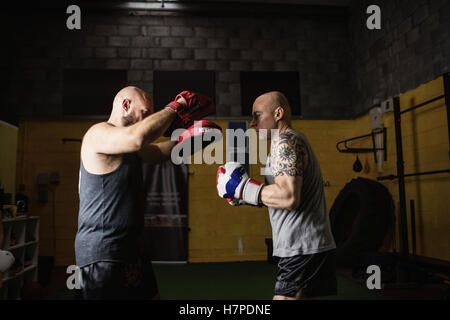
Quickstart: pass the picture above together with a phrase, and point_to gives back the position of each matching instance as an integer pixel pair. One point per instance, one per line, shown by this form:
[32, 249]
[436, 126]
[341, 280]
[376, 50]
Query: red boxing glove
[197, 107]
[193, 139]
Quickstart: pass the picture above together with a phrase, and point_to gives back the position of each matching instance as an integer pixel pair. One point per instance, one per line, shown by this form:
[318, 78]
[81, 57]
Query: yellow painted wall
[8, 153]
[425, 148]
[215, 225]
[41, 150]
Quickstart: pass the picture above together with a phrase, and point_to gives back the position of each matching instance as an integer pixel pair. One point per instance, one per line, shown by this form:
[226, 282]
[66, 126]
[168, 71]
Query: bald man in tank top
[108, 244]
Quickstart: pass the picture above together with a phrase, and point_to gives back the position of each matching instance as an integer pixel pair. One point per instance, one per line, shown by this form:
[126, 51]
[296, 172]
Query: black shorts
[106, 280]
[314, 274]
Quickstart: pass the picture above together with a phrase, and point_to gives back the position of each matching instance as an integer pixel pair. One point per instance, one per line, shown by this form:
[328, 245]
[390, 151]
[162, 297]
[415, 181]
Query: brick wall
[412, 48]
[41, 47]
[344, 67]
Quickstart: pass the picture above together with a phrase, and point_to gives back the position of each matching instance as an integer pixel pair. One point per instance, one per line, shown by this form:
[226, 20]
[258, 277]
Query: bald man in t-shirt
[294, 195]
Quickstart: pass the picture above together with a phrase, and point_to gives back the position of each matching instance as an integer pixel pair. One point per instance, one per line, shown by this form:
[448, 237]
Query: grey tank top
[305, 230]
[111, 215]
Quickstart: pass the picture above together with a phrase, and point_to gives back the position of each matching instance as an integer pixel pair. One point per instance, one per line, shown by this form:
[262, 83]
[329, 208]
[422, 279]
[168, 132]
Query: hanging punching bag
[357, 166]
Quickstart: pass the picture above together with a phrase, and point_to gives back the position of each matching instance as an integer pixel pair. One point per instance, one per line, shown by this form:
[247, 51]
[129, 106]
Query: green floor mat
[228, 281]
[236, 280]
[206, 281]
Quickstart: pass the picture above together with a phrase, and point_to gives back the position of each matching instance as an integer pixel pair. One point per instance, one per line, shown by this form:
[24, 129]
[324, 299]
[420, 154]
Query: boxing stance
[294, 195]
[108, 244]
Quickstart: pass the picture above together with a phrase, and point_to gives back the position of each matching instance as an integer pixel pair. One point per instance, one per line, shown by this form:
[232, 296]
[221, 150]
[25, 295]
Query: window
[256, 83]
[167, 84]
[88, 92]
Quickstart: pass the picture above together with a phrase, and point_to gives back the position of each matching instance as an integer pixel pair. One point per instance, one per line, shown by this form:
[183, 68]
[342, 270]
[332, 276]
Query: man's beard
[128, 121]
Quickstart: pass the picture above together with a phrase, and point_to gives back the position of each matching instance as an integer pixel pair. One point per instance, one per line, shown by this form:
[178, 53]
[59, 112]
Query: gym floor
[245, 281]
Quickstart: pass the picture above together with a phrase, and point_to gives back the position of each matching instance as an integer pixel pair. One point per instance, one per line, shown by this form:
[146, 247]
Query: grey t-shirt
[307, 229]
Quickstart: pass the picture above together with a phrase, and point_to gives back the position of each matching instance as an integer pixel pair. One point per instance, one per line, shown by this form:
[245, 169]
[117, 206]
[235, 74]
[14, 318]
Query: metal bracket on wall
[447, 103]
[365, 150]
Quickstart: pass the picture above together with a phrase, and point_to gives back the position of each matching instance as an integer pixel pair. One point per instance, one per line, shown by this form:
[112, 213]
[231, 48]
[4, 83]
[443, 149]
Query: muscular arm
[105, 138]
[157, 152]
[288, 159]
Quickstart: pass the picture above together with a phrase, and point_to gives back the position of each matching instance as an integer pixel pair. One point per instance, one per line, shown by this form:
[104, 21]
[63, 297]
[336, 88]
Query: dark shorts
[314, 274]
[118, 281]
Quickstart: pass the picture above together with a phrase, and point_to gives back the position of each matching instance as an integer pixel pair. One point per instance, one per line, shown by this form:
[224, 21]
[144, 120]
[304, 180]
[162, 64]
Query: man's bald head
[131, 93]
[132, 104]
[270, 110]
[275, 99]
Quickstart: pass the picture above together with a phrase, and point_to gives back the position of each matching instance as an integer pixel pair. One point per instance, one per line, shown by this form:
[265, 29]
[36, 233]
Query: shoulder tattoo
[289, 155]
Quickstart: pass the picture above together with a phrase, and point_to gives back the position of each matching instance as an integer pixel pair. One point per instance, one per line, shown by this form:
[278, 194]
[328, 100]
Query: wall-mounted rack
[365, 150]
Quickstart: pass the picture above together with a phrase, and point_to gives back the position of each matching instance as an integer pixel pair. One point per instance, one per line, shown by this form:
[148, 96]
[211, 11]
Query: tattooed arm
[288, 159]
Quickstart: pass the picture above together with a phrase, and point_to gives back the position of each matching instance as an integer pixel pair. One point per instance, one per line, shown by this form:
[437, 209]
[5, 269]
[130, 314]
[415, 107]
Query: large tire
[360, 217]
